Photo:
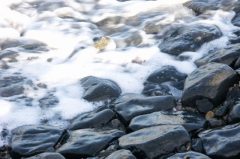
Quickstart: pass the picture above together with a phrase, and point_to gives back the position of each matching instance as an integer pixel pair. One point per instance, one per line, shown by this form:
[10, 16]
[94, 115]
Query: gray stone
[223, 142]
[209, 82]
[189, 155]
[121, 154]
[129, 106]
[92, 119]
[181, 38]
[47, 155]
[30, 140]
[88, 142]
[189, 120]
[226, 56]
[156, 141]
[96, 89]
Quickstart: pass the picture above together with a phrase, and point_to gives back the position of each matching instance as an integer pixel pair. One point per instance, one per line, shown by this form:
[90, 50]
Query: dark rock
[11, 85]
[204, 105]
[222, 143]
[227, 56]
[197, 145]
[96, 89]
[154, 89]
[209, 82]
[88, 142]
[189, 155]
[200, 6]
[234, 115]
[24, 45]
[47, 155]
[167, 74]
[214, 123]
[156, 141]
[236, 18]
[92, 119]
[189, 120]
[10, 54]
[121, 154]
[48, 101]
[181, 38]
[129, 106]
[31, 140]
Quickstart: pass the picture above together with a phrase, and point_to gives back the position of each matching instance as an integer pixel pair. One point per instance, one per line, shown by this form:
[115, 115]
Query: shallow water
[68, 27]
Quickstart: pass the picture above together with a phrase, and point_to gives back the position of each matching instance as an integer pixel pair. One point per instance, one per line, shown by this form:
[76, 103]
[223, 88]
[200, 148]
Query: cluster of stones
[199, 121]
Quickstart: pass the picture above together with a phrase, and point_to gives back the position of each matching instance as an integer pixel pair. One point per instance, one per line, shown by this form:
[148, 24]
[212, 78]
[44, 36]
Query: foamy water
[71, 28]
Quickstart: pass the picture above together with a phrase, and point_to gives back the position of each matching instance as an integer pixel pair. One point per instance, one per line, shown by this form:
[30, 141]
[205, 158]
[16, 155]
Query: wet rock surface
[92, 119]
[12, 85]
[222, 142]
[88, 142]
[228, 56]
[190, 155]
[191, 121]
[121, 154]
[207, 85]
[31, 140]
[47, 155]
[180, 38]
[96, 89]
[153, 144]
[129, 106]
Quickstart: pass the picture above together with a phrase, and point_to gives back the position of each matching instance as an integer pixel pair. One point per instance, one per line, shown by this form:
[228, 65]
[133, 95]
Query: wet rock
[92, 119]
[234, 115]
[200, 6]
[24, 45]
[209, 83]
[167, 74]
[222, 143]
[96, 89]
[154, 89]
[11, 85]
[88, 142]
[32, 139]
[121, 154]
[189, 120]
[47, 155]
[9, 54]
[156, 141]
[181, 38]
[48, 101]
[214, 123]
[129, 106]
[227, 56]
[236, 18]
[189, 155]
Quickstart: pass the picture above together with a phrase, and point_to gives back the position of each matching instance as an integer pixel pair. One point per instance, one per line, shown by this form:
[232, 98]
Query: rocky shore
[176, 114]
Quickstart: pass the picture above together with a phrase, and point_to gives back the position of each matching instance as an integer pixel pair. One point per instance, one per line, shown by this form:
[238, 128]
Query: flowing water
[69, 28]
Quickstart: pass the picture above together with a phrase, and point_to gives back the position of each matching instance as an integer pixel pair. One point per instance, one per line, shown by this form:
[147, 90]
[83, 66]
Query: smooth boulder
[30, 140]
[181, 38]
[92, 119]
[88, 142]
[156, 141]
[189, 155]
[191, 121]
[222, 143]
[47, 155]
[207, 86]
[129, 106]
[96, 89]
[121, 154]
[227, 55]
